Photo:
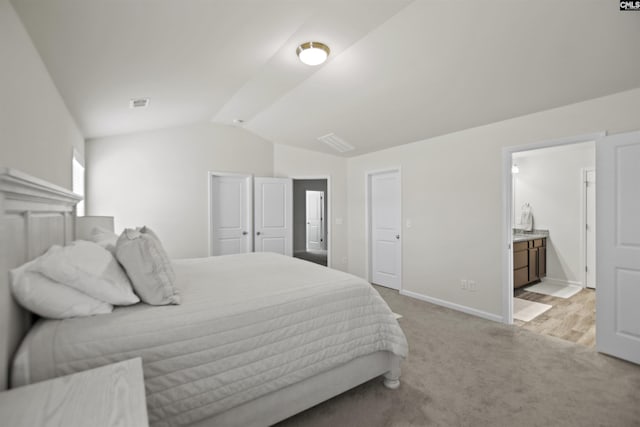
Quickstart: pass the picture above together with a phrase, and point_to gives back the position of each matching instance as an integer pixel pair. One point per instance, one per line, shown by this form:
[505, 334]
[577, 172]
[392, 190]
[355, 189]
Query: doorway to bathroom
[552, 223]
[310, 220]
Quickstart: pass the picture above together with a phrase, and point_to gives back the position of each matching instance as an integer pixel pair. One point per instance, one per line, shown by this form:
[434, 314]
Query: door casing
[507, 211]
[328, 200]
[585, 239]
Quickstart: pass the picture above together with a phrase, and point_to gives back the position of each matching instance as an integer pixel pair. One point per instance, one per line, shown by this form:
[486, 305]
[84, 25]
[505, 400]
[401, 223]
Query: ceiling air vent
[336, 143]
[139, 103]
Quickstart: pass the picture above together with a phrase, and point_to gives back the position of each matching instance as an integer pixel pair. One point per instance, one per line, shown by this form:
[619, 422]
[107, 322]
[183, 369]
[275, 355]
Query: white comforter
[248, 325]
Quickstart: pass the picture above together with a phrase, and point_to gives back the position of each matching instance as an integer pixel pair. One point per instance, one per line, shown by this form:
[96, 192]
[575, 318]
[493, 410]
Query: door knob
[244, 233]
[398, 236]
[257, 233]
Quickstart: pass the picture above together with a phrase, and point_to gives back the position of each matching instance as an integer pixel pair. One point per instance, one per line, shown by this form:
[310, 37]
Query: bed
[258, 337]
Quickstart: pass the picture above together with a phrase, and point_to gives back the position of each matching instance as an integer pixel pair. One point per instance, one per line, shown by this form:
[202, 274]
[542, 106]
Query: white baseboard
[561, 282]
[454, 306]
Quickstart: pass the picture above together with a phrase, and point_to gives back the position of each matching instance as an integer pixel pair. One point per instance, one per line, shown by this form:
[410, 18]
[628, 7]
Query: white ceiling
[399, 70]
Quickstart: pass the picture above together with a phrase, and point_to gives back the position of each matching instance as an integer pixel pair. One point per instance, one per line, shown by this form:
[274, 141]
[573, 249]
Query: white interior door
[618, 246]
[385, 248]
[273, 212]
[230, 215]
[315, 220]
[590, 228]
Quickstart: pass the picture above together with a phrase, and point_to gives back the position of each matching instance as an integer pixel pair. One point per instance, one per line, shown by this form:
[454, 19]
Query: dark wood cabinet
[529, 261]
[542, 261]
[533, 264]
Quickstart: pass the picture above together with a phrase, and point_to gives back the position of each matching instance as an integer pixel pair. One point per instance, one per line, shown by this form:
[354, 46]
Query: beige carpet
[465, 371]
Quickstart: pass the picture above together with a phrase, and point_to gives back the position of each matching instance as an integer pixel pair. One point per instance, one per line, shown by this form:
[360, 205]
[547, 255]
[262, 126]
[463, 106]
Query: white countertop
[523, 237]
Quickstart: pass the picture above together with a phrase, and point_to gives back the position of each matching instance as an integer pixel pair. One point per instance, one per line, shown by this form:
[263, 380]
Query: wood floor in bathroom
[572, 319]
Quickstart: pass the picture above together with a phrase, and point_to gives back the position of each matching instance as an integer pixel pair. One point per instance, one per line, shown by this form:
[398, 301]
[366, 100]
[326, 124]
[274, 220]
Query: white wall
[300, 163]
[452, 192]
[37, 133]
[160, 178]
[551, 181]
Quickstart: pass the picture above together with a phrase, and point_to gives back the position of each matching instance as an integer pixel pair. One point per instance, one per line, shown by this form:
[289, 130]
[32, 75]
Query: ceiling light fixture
[313, 53]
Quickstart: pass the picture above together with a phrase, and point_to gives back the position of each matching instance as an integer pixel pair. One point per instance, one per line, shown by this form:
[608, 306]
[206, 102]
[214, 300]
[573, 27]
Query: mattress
[248, 325]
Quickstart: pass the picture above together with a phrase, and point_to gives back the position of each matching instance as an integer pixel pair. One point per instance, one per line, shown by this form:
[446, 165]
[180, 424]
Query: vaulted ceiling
[399, 70]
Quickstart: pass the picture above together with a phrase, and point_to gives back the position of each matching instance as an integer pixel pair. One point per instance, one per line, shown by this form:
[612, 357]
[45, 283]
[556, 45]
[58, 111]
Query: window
[77, 184]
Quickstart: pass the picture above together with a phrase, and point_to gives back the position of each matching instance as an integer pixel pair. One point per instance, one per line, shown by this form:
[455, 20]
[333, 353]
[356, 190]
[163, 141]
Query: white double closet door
[248, 214]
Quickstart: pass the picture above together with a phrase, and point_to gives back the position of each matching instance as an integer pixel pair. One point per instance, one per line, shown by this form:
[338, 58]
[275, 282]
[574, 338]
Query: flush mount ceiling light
[313, 53]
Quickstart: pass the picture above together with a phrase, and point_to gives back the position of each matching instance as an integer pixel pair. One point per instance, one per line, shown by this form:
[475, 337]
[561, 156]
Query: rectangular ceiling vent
[139, 103]
[336, 143]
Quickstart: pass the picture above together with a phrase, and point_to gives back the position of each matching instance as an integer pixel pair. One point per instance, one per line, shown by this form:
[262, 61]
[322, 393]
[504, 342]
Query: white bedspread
[249, 324]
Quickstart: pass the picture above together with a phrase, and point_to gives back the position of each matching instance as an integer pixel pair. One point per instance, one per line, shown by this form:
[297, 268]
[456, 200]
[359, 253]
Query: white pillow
[148, 266]
[90, 269]
[50, 299]
[104, 238]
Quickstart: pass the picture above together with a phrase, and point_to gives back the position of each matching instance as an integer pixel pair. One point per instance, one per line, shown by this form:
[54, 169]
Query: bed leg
[392, 378]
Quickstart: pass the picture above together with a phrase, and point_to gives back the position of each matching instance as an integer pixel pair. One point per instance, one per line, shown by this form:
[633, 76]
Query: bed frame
[36, 214]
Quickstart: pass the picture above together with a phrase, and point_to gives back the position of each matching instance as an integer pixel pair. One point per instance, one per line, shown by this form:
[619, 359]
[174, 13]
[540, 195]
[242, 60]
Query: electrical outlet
[472, 285]
[468, 285]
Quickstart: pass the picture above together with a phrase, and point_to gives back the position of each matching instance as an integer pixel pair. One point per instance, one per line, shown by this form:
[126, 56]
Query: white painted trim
[329, 219]
[583, 224]
[556, 142]
[23, 188]
[507, 235]
[507, 202]
[453, 306]
[249, 188]
[367, 220]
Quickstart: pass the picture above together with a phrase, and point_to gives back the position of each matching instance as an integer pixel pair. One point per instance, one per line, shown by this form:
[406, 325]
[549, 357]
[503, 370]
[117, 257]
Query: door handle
[398, 236]
[244, 233]
[257, 233]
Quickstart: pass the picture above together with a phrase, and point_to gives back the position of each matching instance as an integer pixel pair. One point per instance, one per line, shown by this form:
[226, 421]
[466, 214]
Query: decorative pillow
[104, 238]
[90, 269]
[148, 266]
[50, 299]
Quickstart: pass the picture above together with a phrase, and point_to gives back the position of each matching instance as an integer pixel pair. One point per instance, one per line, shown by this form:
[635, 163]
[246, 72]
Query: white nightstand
[112, 395]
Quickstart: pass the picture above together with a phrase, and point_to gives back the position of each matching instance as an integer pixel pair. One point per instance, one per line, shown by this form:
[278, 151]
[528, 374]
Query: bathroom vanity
[529, 258]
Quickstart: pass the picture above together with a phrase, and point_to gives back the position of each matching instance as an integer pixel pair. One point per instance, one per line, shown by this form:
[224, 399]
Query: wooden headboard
[34, 215]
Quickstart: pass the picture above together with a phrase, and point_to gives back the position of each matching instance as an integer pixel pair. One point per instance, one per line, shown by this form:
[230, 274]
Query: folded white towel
[526, 217]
